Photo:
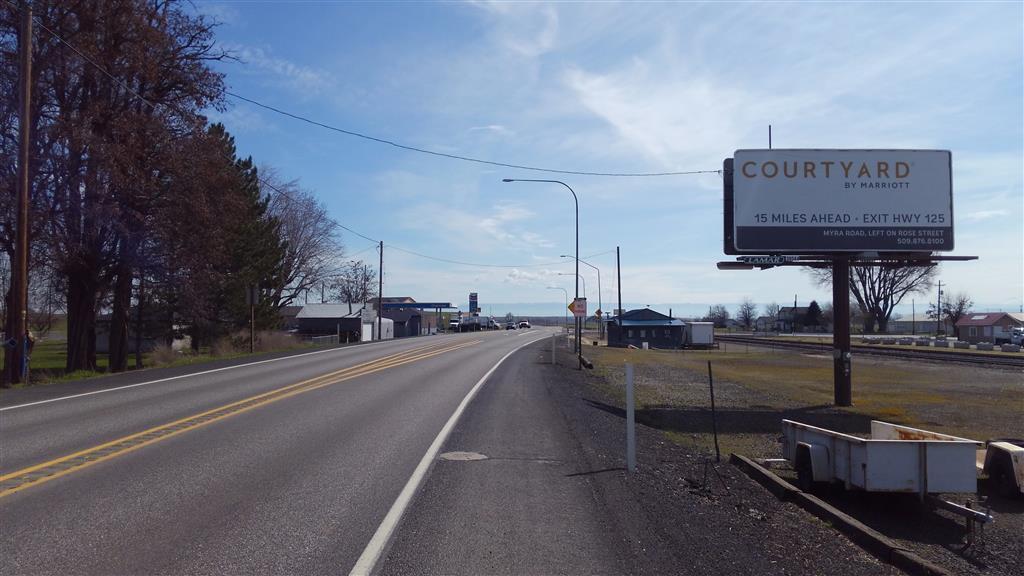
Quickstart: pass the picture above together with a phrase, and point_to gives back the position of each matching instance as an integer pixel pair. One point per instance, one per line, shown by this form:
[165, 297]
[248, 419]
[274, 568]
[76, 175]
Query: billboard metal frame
[840, 263]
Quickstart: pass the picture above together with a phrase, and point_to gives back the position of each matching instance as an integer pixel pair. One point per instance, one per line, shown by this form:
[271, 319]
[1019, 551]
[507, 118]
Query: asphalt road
[263, 468]
[512, 492]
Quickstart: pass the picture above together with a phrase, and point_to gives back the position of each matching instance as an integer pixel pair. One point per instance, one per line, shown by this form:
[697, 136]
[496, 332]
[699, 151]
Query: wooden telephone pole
[16, 345]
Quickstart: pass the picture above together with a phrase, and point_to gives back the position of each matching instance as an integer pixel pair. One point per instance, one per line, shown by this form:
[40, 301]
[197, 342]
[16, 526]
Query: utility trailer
[894, 459]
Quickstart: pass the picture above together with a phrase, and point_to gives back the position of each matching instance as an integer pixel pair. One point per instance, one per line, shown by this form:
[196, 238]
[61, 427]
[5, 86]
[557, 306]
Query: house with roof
[645, 325]
[790, 318]
[995, 327]
[353, 322]
[919, 323]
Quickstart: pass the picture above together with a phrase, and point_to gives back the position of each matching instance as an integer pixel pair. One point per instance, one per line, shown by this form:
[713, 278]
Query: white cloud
[529, 30]
[298, 78]
[496, 129]
[979, 215]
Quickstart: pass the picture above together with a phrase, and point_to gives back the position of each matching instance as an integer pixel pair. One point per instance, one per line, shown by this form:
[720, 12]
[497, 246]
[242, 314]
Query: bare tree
[772, 311]
[879, 289]
[356, 282]
[953, 309]
[717, 314]
[747, 313]
[313, 249]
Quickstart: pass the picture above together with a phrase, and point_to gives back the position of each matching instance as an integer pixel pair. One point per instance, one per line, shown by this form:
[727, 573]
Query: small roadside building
[645, 325]
[408, 321]
[994, 327]
[917, 324]
[355, 322]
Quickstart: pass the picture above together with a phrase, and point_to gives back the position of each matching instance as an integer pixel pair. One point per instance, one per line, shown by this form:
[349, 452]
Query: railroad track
[1010, 360]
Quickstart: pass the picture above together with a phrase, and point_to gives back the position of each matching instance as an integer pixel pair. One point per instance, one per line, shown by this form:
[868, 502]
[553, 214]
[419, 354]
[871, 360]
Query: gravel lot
[673, 398]
[709, 518]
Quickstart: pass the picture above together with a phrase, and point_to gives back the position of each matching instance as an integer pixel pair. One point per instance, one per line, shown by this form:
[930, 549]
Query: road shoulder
[552, 496]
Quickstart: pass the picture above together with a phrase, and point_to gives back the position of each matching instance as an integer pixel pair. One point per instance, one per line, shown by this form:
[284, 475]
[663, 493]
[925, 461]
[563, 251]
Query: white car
[524, 324]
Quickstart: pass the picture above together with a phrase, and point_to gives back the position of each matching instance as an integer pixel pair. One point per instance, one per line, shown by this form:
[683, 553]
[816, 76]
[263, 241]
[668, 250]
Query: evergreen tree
[813, 316]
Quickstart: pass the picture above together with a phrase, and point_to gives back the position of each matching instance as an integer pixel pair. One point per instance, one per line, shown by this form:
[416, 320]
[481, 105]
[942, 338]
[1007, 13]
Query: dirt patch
[756, 388]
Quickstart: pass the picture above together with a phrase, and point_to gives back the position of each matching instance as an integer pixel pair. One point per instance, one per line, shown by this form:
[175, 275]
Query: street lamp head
[508, 180]
[565, 256]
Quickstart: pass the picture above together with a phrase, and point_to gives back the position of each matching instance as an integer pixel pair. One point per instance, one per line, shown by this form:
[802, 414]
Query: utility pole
[913, 317]
[380, 292]
[17, 345]
[938, 310]
[618, 286]
[792, 323]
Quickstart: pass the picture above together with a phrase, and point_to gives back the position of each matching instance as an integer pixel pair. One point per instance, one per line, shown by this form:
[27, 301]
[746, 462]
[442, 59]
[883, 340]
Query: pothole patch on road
[463, 456]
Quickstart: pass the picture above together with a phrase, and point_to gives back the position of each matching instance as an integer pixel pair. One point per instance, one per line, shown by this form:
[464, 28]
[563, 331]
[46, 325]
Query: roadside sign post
[630, 422]
[252, 297]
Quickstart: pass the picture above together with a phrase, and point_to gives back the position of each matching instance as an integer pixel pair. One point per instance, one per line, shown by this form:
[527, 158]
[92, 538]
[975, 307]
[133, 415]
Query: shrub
[162, 354]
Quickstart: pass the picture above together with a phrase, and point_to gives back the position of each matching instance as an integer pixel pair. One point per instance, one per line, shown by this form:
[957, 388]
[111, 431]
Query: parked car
[524, 324]
[1017, 336]
[510, 326]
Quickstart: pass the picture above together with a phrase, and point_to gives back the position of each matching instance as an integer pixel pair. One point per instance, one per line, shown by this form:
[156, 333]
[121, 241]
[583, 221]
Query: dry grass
[273, 341]
[755, 390]
[162, 355]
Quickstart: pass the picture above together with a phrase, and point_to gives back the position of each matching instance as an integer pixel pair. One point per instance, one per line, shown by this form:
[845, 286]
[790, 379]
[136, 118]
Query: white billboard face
[814, 201]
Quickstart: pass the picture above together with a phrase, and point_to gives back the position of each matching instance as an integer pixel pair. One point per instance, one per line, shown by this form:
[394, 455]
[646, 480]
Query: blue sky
[632, 87]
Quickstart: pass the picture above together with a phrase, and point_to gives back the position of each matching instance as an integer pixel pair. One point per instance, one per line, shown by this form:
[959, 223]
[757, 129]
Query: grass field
[757, 389]
[49, 356]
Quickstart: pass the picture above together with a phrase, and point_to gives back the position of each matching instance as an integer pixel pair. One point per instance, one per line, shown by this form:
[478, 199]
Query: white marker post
[630, 422]
[553, 336]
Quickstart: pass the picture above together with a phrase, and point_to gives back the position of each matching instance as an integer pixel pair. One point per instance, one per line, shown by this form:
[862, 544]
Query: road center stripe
[52, 469]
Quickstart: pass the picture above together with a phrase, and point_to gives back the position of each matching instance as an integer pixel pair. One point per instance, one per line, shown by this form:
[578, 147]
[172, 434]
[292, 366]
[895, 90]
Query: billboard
[474, 304]
[819, 201]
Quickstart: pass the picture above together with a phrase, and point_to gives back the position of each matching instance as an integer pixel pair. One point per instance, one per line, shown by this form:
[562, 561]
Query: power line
[267, 183]
[456, 156]
[482, 265]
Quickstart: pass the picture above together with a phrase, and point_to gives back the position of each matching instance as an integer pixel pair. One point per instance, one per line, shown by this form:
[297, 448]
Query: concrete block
[1010, 348]
[888, 341]
[922, 342]
[780, 488]
[906, 341]
[985, 346]
[913, 564]
[962, 345]
[942, 343]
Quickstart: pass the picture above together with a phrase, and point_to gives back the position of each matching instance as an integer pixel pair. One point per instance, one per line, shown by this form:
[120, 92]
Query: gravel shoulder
[679, 514]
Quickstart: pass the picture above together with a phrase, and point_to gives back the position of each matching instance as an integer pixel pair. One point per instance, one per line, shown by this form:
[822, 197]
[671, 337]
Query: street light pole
[600, 305]
[566, 311]
[576, 201]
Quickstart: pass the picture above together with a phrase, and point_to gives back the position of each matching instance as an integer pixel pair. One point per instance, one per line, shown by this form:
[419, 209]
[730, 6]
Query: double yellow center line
[52, 469]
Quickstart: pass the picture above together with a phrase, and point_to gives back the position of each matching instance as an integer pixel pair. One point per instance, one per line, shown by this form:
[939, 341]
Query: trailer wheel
[804, 472]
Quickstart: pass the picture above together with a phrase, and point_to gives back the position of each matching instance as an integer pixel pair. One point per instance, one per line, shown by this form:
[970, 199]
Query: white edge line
[26, 405]
[382, 537]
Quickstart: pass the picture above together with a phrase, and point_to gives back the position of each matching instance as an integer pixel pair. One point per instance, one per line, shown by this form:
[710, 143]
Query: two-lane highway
[288, 466]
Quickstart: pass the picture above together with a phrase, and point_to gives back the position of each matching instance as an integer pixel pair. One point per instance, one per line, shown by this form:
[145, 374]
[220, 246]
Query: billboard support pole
[841, 331]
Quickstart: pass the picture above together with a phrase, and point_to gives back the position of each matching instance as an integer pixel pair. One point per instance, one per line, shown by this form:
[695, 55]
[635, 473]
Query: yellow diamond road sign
[598, 313]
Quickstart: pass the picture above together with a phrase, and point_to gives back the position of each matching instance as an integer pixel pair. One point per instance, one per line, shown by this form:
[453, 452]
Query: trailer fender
[812, 463]
[1004, 463]
[818, 454]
